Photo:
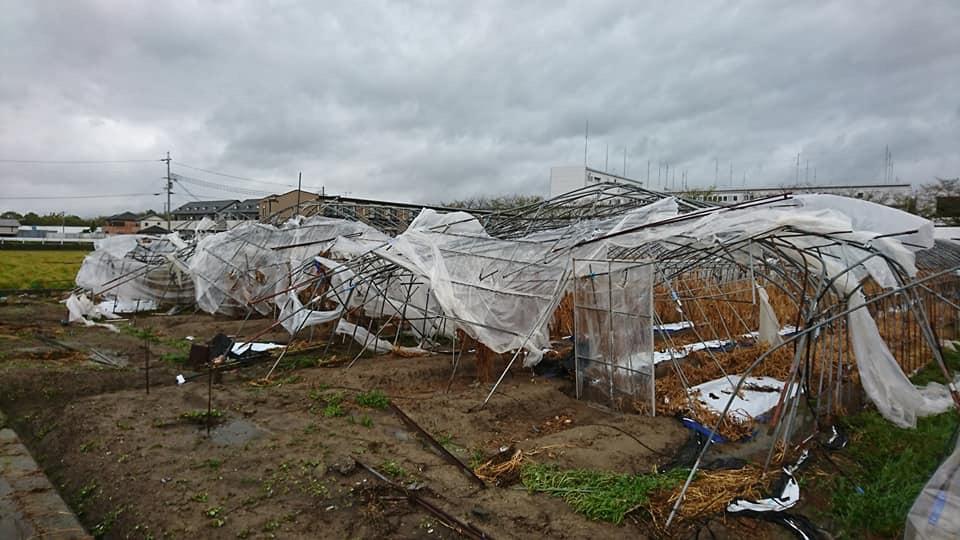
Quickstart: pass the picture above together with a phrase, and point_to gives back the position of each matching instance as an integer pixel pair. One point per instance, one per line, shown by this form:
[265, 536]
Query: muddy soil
[282, 459]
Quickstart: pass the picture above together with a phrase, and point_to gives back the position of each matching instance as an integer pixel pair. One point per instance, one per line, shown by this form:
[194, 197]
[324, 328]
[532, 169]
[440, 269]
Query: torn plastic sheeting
[81, 309]
[116, 306]
[789, 494]
[935, 514]
[769, 332]
[293, 316]
[887, 386]
[669, 328]
[674, 354]
[757, 395]
[878, 218]
[788, 498]
[366, 339]
[372, 343]
[241, 347]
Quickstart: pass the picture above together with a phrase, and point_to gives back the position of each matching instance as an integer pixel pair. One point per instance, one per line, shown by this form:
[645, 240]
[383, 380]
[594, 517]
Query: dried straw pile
[708, 495]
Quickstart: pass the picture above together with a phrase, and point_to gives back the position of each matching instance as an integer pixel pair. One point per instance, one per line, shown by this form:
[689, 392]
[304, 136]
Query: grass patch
[201, 416]
[599, 495]
[393, 469]
[334, 406]
[891, 466]
[145, 334]
[374, 399]
[39, 269]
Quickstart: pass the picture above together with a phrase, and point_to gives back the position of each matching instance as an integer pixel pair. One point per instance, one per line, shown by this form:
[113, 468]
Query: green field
[46, 269]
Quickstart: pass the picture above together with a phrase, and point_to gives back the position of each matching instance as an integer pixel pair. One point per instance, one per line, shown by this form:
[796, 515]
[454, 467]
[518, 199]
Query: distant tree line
[61, 218]
[502, 202]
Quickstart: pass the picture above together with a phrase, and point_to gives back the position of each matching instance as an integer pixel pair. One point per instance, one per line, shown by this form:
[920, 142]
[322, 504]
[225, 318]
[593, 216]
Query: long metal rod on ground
[461, 527]
[450, 458]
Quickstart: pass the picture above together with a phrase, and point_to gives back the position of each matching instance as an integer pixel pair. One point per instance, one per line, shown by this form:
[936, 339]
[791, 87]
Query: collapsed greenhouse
[778, 312]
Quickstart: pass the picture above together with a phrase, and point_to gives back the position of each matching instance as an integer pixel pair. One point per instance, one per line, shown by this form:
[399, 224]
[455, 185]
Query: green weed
[374, 399]
[201, 416]
[334, 406]
[599, 495]
[393, 469]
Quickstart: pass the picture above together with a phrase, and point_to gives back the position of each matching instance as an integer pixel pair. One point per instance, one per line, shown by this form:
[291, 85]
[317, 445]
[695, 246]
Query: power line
[59, 197]
[221, 187]
[235, 177]
[77, 161]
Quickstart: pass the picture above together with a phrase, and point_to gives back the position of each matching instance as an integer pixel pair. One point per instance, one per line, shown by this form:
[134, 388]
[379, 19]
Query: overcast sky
[426, 102]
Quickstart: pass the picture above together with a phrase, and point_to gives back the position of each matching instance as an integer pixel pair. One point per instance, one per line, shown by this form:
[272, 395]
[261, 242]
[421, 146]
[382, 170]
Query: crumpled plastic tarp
[233, 268]
[137, 271]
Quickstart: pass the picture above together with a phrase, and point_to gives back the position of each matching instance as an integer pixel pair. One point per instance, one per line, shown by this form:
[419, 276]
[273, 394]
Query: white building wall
[566, 179]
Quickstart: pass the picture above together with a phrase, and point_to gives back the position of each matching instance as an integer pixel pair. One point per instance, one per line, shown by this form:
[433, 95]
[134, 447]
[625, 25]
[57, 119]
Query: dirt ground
[283, 459]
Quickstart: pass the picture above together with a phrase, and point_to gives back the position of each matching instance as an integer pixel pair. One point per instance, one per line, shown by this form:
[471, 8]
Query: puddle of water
[235, 432]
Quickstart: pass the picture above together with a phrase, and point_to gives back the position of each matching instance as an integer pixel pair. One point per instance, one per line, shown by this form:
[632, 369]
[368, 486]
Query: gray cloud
[422, 101]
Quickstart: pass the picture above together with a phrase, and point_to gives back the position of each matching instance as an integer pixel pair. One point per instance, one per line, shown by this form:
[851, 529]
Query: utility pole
[716, 172]
[586, 139]
[796, 180]
[299, 183]
[648, 173]
[606, 163]
[169, 180]
[806, 176]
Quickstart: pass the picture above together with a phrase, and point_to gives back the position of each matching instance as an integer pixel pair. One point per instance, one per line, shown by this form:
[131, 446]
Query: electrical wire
[61, 197]
[220, 187]
[235, 177]
[77, 161]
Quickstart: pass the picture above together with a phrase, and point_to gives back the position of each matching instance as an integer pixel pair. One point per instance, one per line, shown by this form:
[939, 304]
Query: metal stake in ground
[146, 363]
[209, 397]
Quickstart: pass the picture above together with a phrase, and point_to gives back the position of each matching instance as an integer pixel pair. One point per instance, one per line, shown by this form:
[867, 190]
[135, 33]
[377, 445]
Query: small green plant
[202, 417]
[211, 463]
[477, 458]
[101, 529]
[140, 333]
[334, 406]
[200, 497]
[177, 358]
[213, 512]
[289, 379]
[599, 495]
[88, 447]
[374, 399]
[366, 421]
[302, 362]
[87, 491]
[393, 469]
[317, 392]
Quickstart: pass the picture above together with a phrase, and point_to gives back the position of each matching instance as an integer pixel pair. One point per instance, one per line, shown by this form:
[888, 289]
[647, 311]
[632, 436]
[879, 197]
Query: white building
[153, 220]
[567, 179]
